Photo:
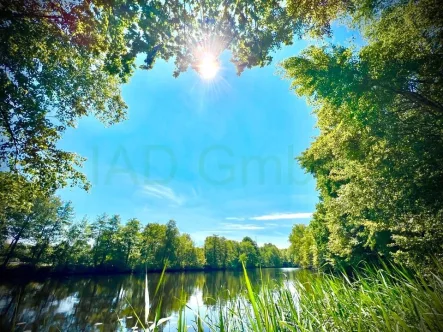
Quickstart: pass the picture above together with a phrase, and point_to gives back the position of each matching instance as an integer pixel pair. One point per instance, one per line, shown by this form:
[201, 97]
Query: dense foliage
[49, 235]
[377, 160]
[64, 60]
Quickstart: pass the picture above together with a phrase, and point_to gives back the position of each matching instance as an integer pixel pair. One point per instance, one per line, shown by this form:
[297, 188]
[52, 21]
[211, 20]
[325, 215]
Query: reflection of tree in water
[223, 286]
[76, 304]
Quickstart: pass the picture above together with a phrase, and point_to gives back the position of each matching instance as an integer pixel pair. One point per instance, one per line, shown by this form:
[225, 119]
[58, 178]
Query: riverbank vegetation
[388, 299]
[377, 160]
[50, 236]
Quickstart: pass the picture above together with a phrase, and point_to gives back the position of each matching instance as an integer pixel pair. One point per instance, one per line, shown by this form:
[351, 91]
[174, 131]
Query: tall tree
[59, 61]
[129, 239]
[40, 225]
[377, 158]
[74, 249]
[50, 228]
[105, 236]
[270, 256]
[170, 245]
[153, 237]
[249, 252]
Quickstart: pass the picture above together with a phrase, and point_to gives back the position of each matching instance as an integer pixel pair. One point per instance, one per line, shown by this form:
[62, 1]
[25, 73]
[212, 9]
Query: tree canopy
[377, 160]
[64, 60]
[379, 105]
[49, 234]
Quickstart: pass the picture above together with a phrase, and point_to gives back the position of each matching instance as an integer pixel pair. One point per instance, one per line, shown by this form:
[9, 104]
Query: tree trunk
[10, 252]
[127, 255]
[14, 243]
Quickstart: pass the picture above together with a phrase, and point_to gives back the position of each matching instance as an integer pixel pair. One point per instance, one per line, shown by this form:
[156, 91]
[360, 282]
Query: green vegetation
[387, 299]
[48, 235]
[62, 61]
[377, 160]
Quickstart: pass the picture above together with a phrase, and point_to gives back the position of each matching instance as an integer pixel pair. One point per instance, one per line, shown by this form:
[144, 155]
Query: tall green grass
[374, 299]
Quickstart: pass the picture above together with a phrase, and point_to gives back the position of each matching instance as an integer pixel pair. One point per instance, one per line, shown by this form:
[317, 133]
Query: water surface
[105, 303]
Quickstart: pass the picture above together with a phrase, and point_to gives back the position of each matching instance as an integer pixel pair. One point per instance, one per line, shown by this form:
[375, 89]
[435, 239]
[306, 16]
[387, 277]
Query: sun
[208, 66]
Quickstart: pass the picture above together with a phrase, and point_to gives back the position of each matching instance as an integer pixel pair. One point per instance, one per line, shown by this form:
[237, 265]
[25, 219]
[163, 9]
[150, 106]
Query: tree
[187, 254]
[213, 251]
[153, 237]
[105, 236]
[170, 245]
[44, 222]
[74, 249]
[377, 158]
[129, 239]
[50, 234]
[303, 248]
[249, 253]
[59, 61]
[49, 228]
[16, 196]
[232, 254]
[270, 256]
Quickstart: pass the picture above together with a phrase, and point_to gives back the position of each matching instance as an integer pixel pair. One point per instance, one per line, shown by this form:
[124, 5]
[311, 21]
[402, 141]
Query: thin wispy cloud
[235, 218]
[162, 192]
[241, 227]
[282, 216]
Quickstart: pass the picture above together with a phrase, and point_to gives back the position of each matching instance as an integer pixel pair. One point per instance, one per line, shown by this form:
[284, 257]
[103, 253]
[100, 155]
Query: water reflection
[97, 303]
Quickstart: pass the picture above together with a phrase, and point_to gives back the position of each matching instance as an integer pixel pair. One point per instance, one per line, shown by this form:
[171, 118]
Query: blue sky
[217, 157]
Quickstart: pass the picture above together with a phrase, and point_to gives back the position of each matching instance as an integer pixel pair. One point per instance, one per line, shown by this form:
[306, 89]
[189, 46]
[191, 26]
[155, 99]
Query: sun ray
[208, 66]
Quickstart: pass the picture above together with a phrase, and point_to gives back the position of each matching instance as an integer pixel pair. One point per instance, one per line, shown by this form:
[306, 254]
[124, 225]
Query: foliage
[43, 224]
[16, 195]
[303, 247]
[59, 61]
[379, 106]
[64, 60]
[377, 159]
[271, 256]
[49, 235]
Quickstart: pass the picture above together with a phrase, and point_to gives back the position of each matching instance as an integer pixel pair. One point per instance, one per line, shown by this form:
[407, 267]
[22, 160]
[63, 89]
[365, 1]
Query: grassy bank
[388, 299]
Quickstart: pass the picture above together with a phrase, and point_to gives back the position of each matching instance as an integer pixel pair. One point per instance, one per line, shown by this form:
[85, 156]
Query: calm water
[97, 303]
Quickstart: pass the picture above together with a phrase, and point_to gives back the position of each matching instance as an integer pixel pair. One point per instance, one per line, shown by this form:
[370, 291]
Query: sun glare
[208, 66]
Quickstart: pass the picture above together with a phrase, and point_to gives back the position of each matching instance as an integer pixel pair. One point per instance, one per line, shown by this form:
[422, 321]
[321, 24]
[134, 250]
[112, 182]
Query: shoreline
[28, 272]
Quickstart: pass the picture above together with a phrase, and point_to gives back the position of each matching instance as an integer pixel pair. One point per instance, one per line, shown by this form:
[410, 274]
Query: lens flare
[208, 66]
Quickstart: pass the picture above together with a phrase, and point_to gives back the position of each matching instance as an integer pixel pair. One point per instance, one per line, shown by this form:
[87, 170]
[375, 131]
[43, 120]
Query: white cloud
[281, 216]
[162, 192]
[235, 218]
[241, 227]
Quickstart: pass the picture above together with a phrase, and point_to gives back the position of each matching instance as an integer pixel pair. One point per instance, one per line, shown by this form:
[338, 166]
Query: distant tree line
[48, 235]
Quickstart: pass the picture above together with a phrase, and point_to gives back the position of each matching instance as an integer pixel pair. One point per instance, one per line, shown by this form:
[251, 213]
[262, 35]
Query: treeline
[378, 159]
[379, 105]
[49, 236]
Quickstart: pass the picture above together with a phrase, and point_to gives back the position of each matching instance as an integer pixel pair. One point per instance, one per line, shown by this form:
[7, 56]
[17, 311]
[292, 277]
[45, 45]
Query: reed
[373, 299]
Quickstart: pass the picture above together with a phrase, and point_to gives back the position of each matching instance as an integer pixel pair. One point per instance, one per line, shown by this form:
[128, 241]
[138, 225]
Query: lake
[111, 302]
